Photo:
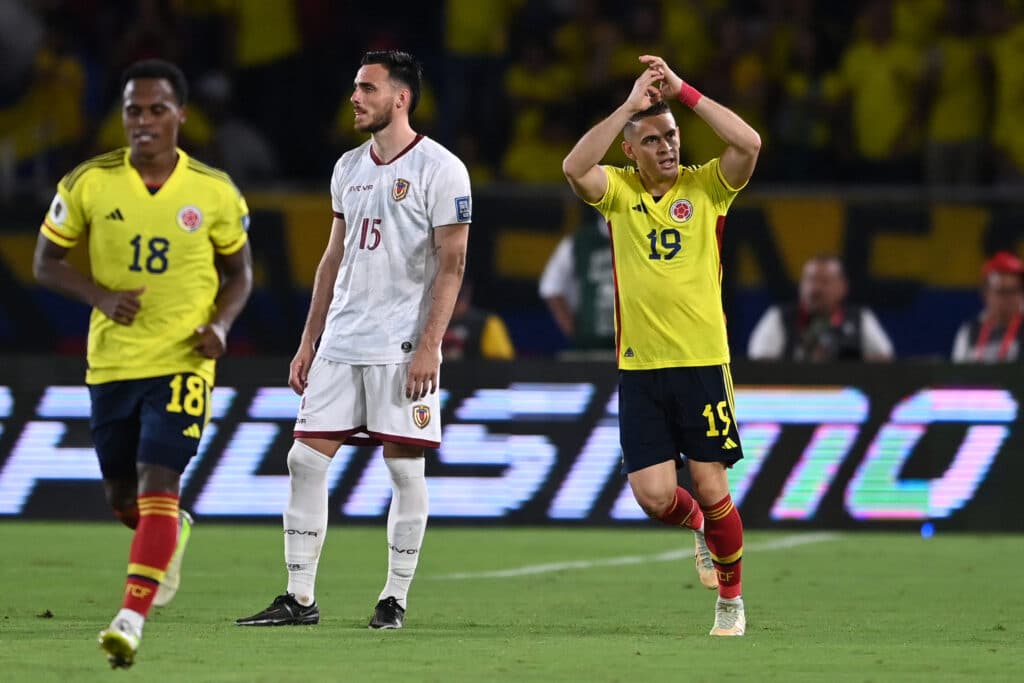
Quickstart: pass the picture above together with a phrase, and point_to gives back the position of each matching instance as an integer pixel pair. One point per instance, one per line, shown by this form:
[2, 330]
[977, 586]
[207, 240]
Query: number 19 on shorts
[721, 412]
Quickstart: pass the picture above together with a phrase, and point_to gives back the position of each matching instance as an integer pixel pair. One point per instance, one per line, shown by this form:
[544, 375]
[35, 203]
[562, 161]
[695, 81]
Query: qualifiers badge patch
[463, 209]
[190, 218]
[421, 415]
[58, 213]
[681, 210]
[400, 189]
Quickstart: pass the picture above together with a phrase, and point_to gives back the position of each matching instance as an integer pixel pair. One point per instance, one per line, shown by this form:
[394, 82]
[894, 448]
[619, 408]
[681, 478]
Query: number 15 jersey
[666, 257]
[382, 294]
[163, 241]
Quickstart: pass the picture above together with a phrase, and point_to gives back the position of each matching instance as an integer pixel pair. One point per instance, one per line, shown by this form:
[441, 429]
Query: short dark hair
[656, 109]
[158, 68]
[402, 67]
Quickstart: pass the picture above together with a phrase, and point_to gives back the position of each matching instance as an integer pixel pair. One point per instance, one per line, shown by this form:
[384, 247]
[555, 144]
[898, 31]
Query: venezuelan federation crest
[400, 189]
[421, 415]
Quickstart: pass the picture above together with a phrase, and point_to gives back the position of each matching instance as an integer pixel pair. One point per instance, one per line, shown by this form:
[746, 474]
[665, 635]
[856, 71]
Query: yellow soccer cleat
[120, 642]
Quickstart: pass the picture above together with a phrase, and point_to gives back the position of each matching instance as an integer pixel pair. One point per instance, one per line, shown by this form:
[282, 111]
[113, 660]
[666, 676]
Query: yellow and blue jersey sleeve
[606, 204]
[230, 233]
[711, 179]
[65, 220]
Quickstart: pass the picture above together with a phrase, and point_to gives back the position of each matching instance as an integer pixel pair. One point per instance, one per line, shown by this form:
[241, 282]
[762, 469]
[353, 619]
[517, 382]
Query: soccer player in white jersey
[383, 295]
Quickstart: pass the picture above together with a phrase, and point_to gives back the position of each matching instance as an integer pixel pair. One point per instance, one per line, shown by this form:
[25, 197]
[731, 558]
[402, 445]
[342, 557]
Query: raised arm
[581, 168]
[743, 144]
[316, 319]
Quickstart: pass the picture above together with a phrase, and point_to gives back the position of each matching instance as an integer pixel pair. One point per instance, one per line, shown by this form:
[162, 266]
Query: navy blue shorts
[669, 412]
[157, 421]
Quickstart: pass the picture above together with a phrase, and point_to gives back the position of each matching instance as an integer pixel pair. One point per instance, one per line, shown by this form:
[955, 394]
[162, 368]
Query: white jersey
[383, 291]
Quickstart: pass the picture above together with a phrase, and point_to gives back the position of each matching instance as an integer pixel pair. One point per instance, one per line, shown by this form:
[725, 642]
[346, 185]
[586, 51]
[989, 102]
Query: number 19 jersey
[382, 294]
[165, 241]
[667, 265]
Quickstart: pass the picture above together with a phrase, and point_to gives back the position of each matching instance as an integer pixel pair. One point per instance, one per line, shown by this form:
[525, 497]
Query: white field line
[783, 543]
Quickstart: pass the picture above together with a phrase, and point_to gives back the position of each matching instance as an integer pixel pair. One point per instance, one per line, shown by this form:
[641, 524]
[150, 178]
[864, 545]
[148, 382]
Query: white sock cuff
[405, 469]
[304, 457]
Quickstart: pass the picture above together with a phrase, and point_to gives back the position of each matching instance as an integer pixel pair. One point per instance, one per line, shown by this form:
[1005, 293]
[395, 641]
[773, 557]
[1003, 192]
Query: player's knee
[655, 503]
[303, 458]
[708, 490]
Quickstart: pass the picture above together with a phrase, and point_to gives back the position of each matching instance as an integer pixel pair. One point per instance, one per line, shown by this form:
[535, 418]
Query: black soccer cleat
[388, 614]
[284, 611]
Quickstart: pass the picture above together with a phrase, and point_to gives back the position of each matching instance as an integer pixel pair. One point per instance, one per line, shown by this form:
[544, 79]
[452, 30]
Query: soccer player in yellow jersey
[675, 390]
[170, 271]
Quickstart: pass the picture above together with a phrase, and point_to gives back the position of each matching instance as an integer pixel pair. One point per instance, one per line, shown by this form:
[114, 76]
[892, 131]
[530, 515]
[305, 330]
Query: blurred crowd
[879, 91]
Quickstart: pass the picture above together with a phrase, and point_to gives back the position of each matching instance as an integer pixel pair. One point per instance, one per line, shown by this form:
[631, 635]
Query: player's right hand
[645, 90]
[670, 81]
[298, 371]
[121, 306]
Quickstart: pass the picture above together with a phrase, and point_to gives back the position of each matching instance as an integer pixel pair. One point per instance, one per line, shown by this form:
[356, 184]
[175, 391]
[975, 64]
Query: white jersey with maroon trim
[383, 291]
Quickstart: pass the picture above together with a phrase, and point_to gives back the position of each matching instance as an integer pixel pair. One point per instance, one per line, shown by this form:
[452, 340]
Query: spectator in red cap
[996, 335]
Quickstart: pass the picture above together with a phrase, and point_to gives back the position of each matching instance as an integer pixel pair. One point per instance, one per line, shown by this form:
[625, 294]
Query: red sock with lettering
[152, 547]
[684, 511]
[723, 530]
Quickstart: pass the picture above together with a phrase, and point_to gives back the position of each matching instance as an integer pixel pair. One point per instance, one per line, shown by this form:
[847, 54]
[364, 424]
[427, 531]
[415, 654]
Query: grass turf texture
[845, 607]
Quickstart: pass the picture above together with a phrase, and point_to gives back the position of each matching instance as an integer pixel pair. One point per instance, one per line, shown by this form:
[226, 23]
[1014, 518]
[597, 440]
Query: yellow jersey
[164, 241]
[667, 267]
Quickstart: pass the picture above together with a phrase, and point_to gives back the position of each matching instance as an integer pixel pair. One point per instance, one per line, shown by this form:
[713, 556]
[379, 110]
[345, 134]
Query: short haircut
[656, 109]
[402, 67]
[826, 257]
[158, 68]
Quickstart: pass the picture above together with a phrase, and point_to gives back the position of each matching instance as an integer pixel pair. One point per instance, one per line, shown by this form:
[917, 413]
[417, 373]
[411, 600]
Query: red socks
[723, 530]
[684, 511]
[152, 547]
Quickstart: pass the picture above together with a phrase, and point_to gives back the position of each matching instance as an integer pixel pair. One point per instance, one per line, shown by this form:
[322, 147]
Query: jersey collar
[172, 180]
[377, 160]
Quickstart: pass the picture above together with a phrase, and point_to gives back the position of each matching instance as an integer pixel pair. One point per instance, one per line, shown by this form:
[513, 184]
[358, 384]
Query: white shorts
[366, 405]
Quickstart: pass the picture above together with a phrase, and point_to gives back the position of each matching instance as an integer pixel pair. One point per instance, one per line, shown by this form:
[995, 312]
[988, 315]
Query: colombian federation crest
[421, 415]
[190, 218]
[400, 189]
[681, 210]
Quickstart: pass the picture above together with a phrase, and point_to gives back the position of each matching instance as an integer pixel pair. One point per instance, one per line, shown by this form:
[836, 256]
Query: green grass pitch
[820, 607]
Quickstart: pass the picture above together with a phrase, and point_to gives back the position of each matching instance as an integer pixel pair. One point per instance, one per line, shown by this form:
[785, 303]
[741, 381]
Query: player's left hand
[212, 340]
[422, 378]
[671, 84]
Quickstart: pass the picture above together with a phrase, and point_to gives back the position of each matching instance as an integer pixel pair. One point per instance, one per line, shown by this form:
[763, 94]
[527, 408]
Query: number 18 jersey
[383, 290]
[165, 241]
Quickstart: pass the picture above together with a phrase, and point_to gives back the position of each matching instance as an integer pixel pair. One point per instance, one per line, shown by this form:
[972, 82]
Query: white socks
[407, 520]
[305, 519]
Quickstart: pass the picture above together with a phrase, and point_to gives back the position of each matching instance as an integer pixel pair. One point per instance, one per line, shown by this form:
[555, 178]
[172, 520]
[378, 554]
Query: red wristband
[689, 95]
